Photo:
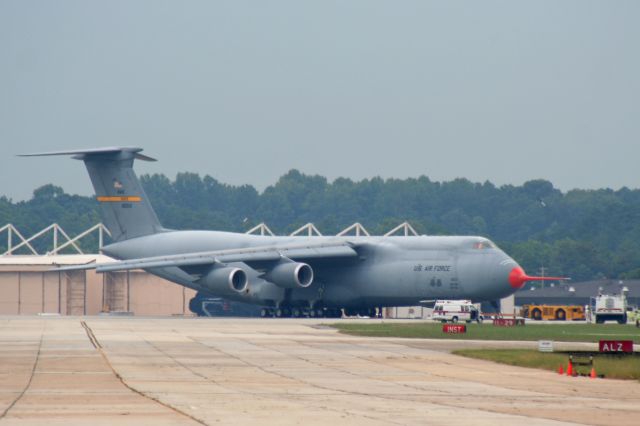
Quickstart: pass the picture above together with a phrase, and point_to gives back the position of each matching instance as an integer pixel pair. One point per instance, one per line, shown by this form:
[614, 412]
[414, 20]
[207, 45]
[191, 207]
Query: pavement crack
[96, 343]
[92, 337]
[33, 372]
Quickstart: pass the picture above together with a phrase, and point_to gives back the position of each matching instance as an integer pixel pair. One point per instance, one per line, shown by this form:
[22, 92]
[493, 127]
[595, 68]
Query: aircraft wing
[247, 255]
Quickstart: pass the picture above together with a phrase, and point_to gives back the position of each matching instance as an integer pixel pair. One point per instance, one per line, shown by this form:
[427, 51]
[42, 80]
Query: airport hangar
[29, 285]
[578, 293]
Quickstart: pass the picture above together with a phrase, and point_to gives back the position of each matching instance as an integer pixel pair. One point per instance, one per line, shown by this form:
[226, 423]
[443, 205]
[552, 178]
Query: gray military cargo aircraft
[295, 275]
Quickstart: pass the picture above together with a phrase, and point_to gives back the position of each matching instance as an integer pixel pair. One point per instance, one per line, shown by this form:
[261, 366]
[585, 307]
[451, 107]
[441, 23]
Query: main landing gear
[297, 312]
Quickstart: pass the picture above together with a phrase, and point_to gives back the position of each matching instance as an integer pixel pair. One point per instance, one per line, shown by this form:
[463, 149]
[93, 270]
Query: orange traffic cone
[569, 369]
[560, 370]
[593, 373]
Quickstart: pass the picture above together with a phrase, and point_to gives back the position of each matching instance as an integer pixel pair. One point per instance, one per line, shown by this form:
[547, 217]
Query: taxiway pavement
[166, 371]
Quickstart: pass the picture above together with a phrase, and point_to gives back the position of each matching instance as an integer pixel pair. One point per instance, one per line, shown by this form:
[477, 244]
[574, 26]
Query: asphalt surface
[166, 371]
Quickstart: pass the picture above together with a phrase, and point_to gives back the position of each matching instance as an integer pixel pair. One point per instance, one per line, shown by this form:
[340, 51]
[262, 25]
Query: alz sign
[616, 346]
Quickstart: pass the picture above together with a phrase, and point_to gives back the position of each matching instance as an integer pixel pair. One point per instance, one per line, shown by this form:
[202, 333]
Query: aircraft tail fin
[126, 211]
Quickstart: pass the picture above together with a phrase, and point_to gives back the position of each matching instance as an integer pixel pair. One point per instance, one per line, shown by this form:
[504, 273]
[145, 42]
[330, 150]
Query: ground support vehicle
[607, 307]
[553, 312]
[456, 310]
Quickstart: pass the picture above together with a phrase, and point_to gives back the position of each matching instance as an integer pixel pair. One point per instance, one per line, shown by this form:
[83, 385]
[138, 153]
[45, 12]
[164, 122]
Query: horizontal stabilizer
[81, 154]
[82, 267]
[89, 265]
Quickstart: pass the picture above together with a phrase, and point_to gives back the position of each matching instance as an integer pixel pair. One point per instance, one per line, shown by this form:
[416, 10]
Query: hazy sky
[501, 90]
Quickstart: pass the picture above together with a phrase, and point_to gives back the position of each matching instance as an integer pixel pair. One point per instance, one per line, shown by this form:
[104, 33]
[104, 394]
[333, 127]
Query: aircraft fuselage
[388, 271]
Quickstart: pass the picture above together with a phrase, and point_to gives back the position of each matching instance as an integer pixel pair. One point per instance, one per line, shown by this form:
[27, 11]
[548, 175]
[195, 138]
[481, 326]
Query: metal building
[28, 286]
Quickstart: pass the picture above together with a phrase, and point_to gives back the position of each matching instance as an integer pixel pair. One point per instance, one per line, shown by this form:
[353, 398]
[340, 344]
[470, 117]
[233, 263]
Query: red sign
[508, 322]
[454, 328]
[620, 346]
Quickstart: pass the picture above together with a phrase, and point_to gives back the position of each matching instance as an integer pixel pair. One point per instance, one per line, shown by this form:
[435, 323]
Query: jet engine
[225, 278]
[290, 275]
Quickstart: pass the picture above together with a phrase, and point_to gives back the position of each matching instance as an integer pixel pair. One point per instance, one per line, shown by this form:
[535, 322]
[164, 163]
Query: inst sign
[616, 346]
[454, 328]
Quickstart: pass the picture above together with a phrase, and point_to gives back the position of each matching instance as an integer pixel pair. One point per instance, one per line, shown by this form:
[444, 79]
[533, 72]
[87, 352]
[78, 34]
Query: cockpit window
[483, 245]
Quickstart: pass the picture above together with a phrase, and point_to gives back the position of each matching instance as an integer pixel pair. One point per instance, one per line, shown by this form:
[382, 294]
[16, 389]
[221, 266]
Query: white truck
[605, 307]
[456, 310]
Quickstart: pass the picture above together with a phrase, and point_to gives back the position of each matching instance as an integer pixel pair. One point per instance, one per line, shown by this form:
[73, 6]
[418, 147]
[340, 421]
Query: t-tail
[126, 210]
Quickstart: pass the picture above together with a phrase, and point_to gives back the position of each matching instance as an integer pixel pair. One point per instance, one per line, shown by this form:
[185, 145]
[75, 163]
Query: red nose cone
[517, 277]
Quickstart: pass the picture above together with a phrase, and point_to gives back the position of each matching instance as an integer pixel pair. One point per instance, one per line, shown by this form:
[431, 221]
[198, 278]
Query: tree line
[584, 234]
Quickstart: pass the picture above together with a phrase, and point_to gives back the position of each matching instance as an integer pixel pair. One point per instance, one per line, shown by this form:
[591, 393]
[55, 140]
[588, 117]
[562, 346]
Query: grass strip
[615, 367]
[487, 331]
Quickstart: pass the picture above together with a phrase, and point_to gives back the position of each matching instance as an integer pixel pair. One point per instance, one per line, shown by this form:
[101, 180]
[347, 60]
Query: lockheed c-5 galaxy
[311, 276]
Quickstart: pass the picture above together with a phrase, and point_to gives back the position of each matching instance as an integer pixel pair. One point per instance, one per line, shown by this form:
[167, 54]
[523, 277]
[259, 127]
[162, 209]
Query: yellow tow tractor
[553, 312]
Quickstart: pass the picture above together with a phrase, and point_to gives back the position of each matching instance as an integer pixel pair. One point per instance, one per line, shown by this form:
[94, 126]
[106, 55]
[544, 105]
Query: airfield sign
[615, 346]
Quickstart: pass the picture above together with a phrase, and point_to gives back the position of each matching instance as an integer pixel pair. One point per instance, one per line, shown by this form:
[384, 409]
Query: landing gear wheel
[266, 312]
[279, 313]
[319, 312]
[296, 313]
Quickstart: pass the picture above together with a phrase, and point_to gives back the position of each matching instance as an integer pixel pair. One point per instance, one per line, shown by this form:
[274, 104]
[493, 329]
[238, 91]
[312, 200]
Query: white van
[456, 310]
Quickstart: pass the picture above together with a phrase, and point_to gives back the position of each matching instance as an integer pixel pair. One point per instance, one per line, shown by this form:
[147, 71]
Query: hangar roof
[584, 289]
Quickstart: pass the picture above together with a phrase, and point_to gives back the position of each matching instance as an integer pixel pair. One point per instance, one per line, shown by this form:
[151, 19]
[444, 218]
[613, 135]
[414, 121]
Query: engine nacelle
[225, 278]
[290, 275]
